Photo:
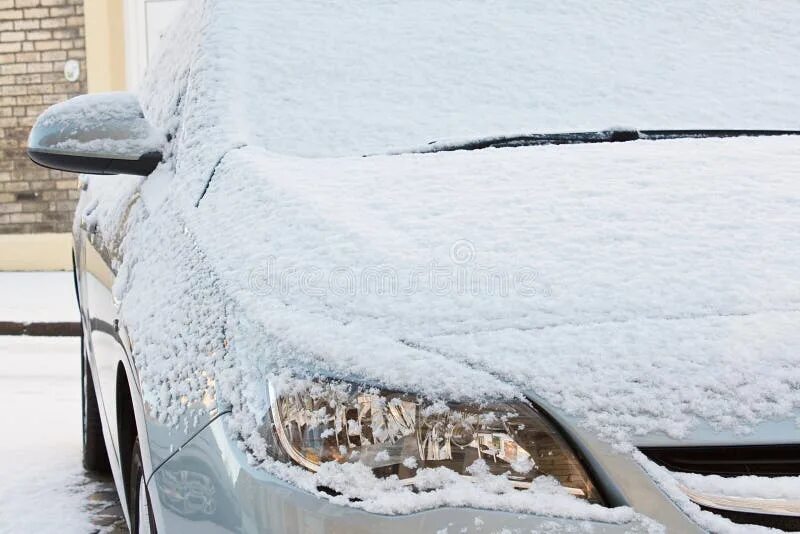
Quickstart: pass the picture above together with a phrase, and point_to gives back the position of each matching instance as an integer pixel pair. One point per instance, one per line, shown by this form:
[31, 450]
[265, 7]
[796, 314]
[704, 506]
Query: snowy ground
[43, 487]
[44, 296]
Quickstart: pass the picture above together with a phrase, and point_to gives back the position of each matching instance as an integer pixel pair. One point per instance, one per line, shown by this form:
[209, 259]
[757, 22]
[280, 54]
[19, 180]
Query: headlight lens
[397, 434]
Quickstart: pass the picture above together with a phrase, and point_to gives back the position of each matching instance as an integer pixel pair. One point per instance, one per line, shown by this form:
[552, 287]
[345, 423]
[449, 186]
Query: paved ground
[43, 487]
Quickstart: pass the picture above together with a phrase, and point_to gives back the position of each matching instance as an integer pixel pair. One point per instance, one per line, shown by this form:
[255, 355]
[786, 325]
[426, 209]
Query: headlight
[398, 434]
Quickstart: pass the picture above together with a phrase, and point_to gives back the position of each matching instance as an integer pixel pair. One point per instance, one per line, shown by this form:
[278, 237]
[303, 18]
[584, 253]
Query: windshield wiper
[605, 136]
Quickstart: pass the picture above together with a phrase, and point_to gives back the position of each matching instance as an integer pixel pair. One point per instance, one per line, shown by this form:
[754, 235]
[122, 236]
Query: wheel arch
[127, 430]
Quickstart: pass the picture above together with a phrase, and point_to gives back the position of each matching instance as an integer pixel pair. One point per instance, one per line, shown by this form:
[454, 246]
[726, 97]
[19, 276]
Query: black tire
[95, 458]
[135, 495]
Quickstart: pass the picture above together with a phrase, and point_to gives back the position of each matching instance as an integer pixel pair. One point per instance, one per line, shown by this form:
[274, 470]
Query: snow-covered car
[345, 280]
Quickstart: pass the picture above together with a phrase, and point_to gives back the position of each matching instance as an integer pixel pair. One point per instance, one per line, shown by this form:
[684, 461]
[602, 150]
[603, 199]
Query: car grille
[731, 461]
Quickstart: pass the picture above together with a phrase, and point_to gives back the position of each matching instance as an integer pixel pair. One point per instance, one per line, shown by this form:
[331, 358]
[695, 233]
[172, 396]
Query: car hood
[642, 289]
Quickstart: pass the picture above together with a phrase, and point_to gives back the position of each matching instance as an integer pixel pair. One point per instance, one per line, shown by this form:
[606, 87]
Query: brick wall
[36, 38]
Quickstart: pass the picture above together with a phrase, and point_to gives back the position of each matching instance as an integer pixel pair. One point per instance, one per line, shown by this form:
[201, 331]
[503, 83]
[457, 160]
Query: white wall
[145, 21]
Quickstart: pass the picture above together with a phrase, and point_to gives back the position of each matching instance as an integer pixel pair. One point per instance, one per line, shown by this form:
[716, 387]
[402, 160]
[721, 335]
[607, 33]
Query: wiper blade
[695, 134]
[605, 136]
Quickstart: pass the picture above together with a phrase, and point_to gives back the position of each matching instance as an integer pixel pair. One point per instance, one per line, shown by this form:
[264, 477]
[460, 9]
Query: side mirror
[103, 133]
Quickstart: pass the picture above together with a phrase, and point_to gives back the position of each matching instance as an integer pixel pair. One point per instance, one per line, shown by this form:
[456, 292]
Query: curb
[10, 328]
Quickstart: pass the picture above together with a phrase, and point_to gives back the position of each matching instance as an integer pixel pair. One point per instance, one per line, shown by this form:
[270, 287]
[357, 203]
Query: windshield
[349, 78]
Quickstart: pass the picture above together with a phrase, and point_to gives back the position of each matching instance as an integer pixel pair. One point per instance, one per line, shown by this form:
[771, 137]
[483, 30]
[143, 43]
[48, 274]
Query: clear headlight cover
[397, 434]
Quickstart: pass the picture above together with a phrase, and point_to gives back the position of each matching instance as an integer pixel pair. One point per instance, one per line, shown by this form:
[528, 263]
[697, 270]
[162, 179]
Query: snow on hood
[637, 286]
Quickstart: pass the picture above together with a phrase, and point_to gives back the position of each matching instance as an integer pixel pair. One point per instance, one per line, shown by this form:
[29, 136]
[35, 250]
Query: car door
[100, 218]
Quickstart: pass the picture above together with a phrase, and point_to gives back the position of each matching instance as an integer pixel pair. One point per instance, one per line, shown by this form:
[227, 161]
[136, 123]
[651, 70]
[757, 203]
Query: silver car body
[200, 480]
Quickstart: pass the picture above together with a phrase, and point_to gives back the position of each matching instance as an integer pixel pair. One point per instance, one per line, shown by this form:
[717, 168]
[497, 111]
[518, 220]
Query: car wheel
[95, 458]
[139, 509]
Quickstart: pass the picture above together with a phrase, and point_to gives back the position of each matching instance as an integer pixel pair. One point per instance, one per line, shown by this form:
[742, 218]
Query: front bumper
[208, 486]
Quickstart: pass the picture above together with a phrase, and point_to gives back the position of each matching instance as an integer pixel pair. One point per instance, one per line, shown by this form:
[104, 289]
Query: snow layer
[644, 314]
[43, 486]
[37, 297]
[743, 486]
[669, 483]
[352, 78]
[106, 124]
[443, 487]
[652, 294]
[335, 78]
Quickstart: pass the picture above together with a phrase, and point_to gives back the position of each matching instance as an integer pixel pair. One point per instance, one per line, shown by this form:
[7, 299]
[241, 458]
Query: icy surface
[43, 486]
[638, 286]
